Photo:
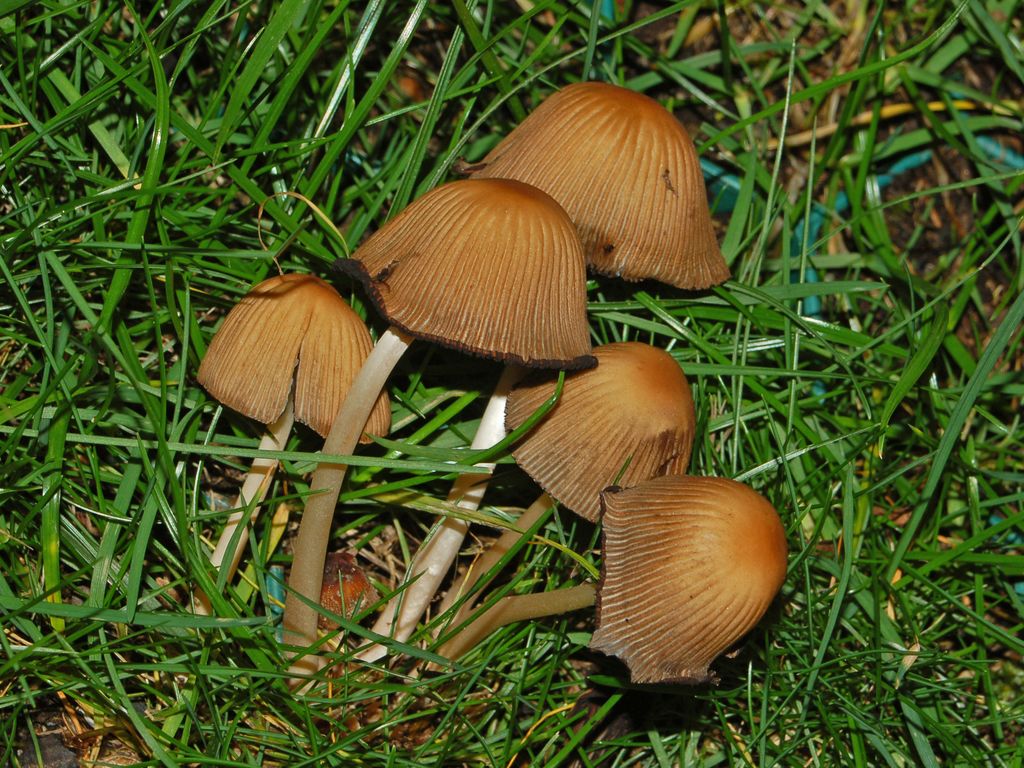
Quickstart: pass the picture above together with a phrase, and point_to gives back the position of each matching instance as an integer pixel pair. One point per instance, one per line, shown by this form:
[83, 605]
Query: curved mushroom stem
[247, 505]
[435, 557]
[489, 559]
[310, 548]
[518, 608]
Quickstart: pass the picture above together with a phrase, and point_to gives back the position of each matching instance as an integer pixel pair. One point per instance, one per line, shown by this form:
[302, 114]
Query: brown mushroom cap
[690, 566]
[628, 175]
[345, 590]
[493, 267]
[290, 326]
[635, 407]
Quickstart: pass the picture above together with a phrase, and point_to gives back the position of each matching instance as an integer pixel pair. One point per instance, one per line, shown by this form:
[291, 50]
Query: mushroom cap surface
[290, 326]
[627, 173]
[634, 408]
[345, 589]
[691, 564]
[493, 267]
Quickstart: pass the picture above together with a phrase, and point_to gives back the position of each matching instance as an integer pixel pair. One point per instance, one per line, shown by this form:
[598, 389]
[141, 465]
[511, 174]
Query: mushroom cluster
[690, 564]
[495, 265]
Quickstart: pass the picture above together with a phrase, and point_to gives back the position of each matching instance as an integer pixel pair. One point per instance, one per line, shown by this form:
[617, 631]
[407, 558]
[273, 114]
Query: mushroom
[345, 590]
[492, 267]
[627, 173]
[289, 328]
[690, 565]
[629, 419]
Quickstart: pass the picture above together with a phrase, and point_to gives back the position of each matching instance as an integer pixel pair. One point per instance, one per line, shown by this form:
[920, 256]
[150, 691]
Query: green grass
[136, 148]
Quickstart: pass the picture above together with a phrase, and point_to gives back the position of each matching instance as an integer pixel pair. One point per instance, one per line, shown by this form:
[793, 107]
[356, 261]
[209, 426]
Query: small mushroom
[345, 590]
[492, 267]
[691, 564]
[289, 329]
[628, 175]
[627, 420]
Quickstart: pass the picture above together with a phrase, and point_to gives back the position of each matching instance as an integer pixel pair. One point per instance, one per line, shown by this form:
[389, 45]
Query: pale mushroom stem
[435, 557]
[489, 559]
[247, 505]
[518, 608]
[310, 548]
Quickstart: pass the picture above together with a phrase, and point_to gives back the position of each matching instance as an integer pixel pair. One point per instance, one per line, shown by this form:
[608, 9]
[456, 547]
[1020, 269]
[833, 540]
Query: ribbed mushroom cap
[628, 175]
[492, 267]
[635, 407]
[690, 566]
[290, 326]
